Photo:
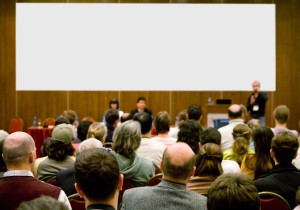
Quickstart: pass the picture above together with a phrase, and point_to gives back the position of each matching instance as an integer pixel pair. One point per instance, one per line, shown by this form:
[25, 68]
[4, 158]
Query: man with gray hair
[18, 183]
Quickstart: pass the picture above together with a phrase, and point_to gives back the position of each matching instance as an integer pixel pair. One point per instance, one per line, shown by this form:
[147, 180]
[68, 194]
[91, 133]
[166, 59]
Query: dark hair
[233, 191]
[194, 112]
[145, 120]
[174, 170]
[43, 202]
[210, 135]
[189, 132]
[285, 145]
[141, 98]
[111, 116]
[59, 150]
[82, 129]
[208, 161]
[237, 114]
[61, 120]
[2, 163]
[114, 101]
[97, 173]
[162, 122]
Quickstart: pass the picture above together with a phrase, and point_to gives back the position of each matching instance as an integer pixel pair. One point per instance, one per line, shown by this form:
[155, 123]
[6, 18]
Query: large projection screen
[138, 47]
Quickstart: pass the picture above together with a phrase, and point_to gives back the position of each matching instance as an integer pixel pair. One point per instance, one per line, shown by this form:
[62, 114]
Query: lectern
[214, 112]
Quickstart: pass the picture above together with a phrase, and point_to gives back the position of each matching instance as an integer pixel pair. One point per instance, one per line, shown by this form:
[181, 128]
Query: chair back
[273, 201]
[15, 124]
[127, 184]
[52, 181]
[76, 202]
[155, 180]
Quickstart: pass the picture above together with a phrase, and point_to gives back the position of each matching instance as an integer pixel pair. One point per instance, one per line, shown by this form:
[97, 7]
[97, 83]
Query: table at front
[39, 134]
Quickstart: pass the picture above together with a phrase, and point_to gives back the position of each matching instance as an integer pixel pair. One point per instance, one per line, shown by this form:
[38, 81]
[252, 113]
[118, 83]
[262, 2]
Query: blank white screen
[193, 47]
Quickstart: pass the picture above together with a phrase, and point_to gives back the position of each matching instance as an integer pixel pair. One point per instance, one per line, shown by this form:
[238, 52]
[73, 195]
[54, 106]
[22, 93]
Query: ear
[120, 184]
[81, 194]
[32, 157]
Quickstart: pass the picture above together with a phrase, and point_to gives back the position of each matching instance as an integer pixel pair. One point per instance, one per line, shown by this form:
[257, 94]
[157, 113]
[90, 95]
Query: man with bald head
[177, 167]
[236, 116]
[18, 183]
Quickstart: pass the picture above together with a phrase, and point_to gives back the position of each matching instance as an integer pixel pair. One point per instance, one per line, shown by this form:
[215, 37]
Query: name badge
[255, 108]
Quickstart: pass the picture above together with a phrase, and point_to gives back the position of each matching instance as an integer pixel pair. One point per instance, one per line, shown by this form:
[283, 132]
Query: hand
[252, 100]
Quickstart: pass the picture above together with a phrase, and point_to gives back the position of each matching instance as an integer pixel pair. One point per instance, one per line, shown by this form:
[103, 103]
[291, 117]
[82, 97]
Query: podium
[214, 112]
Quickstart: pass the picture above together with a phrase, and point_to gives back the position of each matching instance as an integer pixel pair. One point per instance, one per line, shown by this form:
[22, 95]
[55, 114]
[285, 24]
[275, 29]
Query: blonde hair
[97, 130]
[241, 134]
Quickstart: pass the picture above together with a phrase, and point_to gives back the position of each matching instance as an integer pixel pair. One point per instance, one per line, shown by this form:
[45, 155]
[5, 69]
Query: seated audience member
[245, 113]
[125, 117]
[182, 116]
[162, 125]
[112, 120]
[42, 203]
[99, 186]
[194, 112]
[60, 153]
[297, 199]
[149, 149]
[240, 148]
[98, 131]
[177, 168]
[233, 192]
[3, 135]
[189, 132]
[18, 183]
[72, 116]
[284, 177]
[212, 135]
[260, 163]
[281, 115]
[208, 168]
[82, 131]
[141, 107]
[235, 115]
[253, 123]
[66, 178]
[126, 140]
[113, 104]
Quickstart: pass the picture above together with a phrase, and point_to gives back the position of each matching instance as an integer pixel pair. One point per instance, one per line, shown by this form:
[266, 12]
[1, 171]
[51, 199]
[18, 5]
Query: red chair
[77, 203]
[127, 184]
[15, 124]
[273, 201]
[155, 180]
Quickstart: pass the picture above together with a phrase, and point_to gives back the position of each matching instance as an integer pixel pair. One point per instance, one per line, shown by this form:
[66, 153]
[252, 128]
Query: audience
[42, 203]
[194, 112]
[241, 134]
[113, 104]
[66, 178]
[162, 124]
[177, 168]
[259, 164]
[208, 168]
[60, 153]
[233, 192]
[99, 186]
[98, 131]
[82, 131]
[253, 123]
[284, 177]
[72, 116]
[3, 135]
[281, 115]
[189, 132]
[141, 107]
[126, 140]
[149, 149]
[236, 117]
[18, 183]
[112, 120]
[182, 116]
[212, 135]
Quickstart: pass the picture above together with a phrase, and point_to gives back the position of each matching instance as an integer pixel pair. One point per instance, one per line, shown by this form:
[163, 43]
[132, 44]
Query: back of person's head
[125, 117]
[111, 116]
[88, 118]
[113, 101]
[285, 145]
[208, 160]
[82, 129]
[71, 115]
[194, 112]
[145, 120]
[178, 162]
[254, 123]
[182, 116]
[88, 144]
[43, 202]
[162, 122]
[97, 130]
[235, 111]
[127, 138]
[281, 114]
[241, 130]
[210, 135]
[60, 145]
[233, 192]
[97, 174]
[189, 132]
[61, 120]
[18, 147]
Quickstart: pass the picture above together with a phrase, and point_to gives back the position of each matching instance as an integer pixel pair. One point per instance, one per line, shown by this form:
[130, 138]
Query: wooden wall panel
[94, 103]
